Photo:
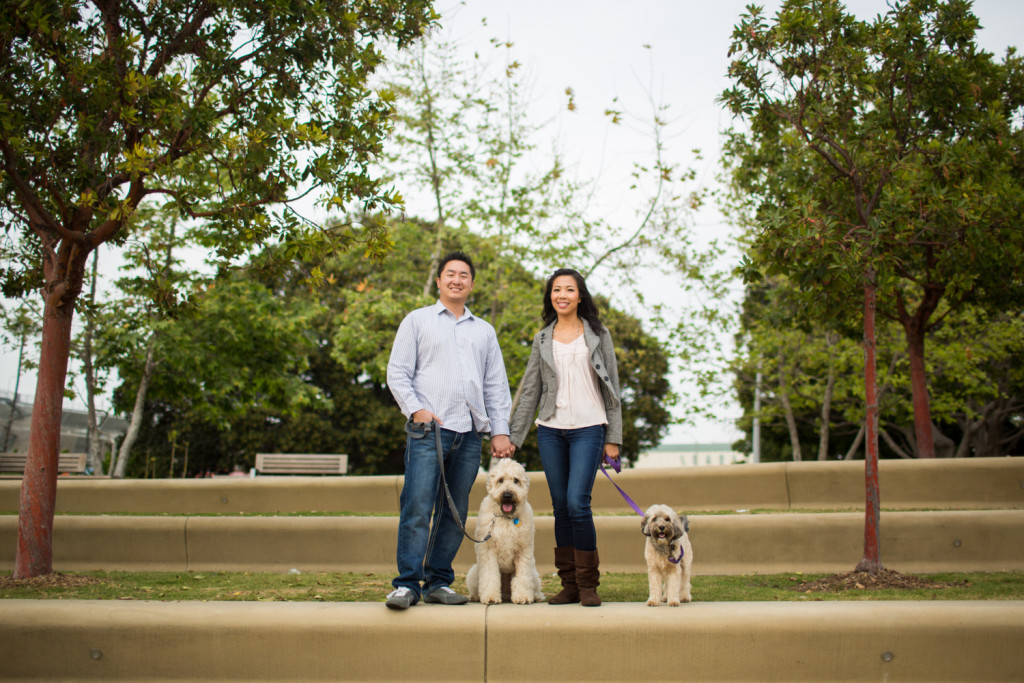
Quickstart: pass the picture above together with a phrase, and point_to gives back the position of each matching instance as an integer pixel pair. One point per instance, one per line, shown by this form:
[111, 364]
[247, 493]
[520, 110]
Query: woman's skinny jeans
[571, 458]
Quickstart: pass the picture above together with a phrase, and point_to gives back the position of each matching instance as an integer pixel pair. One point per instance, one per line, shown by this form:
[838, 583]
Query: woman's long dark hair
[587, 308]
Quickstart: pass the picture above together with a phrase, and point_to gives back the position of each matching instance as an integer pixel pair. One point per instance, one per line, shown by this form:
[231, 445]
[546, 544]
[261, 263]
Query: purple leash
[618, 468]
[615, 465]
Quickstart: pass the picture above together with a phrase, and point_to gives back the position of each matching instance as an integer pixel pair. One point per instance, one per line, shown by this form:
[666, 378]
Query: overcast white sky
[597, 48]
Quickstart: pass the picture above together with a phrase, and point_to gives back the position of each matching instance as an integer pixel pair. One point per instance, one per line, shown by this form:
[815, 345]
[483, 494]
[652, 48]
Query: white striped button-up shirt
[452, 368]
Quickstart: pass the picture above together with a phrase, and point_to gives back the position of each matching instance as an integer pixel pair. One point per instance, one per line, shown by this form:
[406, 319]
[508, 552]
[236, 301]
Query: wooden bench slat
[301, 463]
[66, 462]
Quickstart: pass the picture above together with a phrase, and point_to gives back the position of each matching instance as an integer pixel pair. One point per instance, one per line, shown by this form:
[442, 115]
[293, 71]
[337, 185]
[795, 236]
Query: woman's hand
[611, 450]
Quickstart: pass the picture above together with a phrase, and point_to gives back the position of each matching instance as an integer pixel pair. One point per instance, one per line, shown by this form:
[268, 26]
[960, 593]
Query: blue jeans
[571, 458]
[428, 535]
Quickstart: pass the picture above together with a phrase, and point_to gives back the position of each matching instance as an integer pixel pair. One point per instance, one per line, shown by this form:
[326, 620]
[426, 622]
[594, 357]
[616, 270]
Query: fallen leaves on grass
[51, 580]
[880, 580]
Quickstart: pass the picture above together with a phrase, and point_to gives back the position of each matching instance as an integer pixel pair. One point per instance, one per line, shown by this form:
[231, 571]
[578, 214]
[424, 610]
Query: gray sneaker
[445, 596]
[401, 598]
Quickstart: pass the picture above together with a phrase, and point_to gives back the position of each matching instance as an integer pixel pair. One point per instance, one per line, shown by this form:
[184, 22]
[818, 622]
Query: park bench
[72, 463]
[301, 463]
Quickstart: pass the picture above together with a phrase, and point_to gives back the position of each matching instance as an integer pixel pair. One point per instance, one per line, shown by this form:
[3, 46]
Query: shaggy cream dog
[508, 518]
[668, 554]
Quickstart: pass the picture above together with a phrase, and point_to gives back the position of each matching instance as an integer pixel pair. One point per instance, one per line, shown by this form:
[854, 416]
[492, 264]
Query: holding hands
[502, 447]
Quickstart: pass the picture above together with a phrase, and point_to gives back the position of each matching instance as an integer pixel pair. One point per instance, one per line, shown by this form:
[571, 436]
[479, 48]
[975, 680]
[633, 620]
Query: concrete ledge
[947, 484]
[218, 496]
[969, 483]
[723, 544]
[250, 641]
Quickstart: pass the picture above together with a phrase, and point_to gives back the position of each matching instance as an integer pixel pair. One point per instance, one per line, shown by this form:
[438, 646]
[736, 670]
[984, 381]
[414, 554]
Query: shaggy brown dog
[668, 554]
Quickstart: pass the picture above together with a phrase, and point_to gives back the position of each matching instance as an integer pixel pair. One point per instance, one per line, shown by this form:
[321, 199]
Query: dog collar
[514, 520]
[677, 560]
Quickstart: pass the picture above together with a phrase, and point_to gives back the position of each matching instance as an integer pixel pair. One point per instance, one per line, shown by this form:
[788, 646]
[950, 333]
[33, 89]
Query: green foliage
[882, 153]
[313, 378]
[224, 110]
[469, 138]
[241, 351]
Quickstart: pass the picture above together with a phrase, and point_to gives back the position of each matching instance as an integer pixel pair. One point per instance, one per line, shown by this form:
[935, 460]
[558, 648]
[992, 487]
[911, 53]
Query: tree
[469, 139]
[19, 324]
[913, 124]
[254, 355]
[892, 158]
[349, 331]
[229, 111]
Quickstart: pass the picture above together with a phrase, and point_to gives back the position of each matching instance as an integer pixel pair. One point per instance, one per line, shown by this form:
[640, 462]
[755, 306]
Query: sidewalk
[247, 641]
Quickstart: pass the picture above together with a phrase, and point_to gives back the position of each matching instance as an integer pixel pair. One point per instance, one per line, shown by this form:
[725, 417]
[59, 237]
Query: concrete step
[968, 483]
[251, 641]
[988, 540]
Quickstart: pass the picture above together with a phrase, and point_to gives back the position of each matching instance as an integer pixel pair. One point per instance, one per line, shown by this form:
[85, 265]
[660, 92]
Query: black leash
[444, 482]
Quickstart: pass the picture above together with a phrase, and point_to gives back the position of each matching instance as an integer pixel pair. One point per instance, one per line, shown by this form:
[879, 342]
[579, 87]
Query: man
[446, 372]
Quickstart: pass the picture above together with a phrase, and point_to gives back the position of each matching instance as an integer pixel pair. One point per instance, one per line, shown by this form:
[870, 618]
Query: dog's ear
[643, 525]
[680, 528]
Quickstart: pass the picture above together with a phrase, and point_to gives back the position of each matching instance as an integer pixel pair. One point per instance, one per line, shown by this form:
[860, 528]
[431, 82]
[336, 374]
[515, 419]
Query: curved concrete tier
[986, 540]
[251, 641]
[969, 483]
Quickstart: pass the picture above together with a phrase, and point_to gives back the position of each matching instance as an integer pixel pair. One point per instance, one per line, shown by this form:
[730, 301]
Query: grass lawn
[337, 587]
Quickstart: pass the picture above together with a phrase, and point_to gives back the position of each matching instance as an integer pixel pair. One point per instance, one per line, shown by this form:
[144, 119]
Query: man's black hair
[457, 256]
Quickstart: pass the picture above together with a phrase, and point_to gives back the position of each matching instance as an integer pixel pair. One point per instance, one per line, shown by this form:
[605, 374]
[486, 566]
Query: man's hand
[501, 446]
[424, 415]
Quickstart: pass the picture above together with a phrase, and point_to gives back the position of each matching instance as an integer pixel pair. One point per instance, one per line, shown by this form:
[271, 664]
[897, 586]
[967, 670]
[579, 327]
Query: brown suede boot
[586, 577]
[565, 562]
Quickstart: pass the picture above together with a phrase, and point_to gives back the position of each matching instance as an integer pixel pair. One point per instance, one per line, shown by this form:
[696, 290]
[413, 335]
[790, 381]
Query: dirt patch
[880, 580]
[52, 580]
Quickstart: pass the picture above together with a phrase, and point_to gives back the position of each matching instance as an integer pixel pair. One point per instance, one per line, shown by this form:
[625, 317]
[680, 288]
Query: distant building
[690, 455]
[74, 427]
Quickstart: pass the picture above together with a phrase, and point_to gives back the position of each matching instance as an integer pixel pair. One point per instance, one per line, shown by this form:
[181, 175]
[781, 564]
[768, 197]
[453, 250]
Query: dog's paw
[522, 599]
[491, 599]
[673, 603]
[651, 602]
[685, 598]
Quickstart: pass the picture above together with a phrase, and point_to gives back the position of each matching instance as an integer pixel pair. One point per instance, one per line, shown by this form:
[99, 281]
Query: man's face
[455, 283]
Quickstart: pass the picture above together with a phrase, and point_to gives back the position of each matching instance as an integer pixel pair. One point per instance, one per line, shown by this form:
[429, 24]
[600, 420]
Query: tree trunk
[826, 402]
[94, 461]
[855, 446]
[915, 327]
[919, 392]
[14, 401]
[137, 412]
[794, 434]
[34, 556]
[871, 561]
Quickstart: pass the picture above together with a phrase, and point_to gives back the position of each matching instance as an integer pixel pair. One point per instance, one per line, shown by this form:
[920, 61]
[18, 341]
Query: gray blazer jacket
[540, 384]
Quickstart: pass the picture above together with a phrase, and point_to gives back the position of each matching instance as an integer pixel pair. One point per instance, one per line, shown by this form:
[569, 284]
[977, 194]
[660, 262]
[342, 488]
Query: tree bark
[794, 434]
[851, 454]
[137, 412]
[915, 327]
[34, 555]
[826, 402]
[919, 392]
[94, 461]
[871, 561]
[14, 400]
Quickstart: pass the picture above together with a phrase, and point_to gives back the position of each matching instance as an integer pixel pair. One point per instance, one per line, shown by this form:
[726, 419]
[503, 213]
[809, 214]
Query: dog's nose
[507, 495]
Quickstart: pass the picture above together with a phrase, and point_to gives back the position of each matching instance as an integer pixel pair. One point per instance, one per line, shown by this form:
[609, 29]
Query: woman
[573, 379]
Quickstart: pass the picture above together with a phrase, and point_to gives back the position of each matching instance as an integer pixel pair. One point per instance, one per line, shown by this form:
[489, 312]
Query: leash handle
[444, 482]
